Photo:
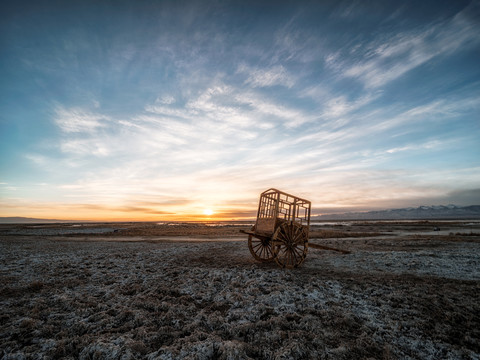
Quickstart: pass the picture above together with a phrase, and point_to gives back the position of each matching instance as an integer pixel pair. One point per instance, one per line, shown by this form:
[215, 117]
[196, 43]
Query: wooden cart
[281, 230]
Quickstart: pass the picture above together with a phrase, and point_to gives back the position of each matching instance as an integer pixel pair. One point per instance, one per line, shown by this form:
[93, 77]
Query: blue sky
[163, 109]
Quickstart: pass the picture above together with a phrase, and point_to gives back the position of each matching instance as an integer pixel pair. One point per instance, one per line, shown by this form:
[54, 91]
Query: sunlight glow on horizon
[208, 212]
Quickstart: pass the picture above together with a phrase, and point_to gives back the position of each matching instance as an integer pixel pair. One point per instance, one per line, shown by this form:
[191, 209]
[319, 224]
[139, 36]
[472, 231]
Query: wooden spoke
[261, 249]
[290, 245]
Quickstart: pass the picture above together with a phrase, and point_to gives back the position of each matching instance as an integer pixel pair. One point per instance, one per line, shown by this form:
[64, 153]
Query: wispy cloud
[276, 75]
[414, 147]
[75, 120]
[435, 111]
[234, 108]
[165, 100]
[37, 159]
[386, 60]
[88, 147]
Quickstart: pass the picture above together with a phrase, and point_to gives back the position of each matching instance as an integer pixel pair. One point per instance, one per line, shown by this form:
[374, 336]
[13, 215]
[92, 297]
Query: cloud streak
[389, 59]
[79, 121]
[276, 75]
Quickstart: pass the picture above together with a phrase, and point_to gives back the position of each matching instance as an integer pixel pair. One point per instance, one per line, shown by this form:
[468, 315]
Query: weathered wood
[290, 245]
[281, 229]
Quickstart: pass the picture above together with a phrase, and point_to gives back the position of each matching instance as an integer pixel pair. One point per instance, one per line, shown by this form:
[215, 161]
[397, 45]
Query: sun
[208, 212]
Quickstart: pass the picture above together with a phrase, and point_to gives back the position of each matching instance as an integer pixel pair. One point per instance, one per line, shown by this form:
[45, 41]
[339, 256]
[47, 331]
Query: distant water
[57, 231]
[208, 223]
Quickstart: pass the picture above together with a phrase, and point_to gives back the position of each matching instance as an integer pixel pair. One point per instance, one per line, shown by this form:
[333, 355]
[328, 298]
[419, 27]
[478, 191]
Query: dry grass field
[406, 290]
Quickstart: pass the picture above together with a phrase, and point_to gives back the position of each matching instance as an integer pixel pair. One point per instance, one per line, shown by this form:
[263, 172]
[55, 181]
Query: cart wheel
[261, 249]
[290, 244]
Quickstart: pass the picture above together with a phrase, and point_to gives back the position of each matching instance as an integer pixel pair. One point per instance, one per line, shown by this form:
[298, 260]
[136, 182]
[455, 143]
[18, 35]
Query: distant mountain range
[420, 213]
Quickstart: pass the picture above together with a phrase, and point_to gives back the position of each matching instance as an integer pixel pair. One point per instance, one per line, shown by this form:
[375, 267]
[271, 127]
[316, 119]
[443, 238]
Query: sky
[169, 110]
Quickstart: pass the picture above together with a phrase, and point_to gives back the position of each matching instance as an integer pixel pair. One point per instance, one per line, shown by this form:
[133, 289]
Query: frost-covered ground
[393, 297]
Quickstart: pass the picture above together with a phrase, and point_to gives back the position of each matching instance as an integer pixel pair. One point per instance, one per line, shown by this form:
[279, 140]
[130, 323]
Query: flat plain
[406, 290]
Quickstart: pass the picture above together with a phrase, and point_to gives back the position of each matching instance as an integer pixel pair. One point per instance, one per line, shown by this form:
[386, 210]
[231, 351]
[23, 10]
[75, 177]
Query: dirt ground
[407, 290]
